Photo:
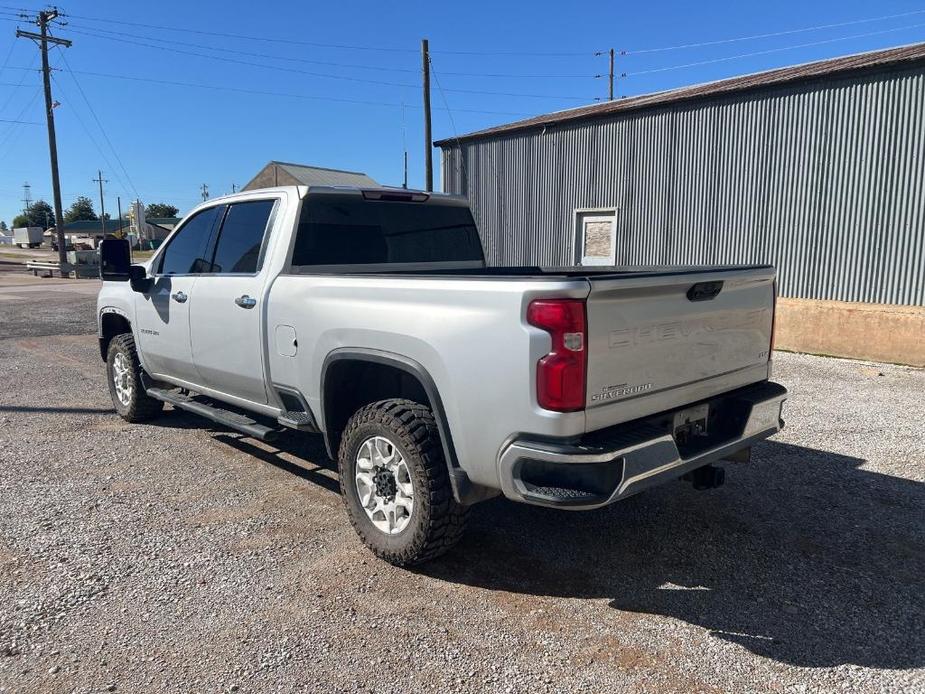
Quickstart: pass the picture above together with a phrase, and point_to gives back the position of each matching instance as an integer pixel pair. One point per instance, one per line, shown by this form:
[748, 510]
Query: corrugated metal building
[817, 169]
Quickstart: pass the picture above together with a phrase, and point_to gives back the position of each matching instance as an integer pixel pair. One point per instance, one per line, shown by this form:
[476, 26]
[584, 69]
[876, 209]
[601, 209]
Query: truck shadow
[301, 455]
[802, 557]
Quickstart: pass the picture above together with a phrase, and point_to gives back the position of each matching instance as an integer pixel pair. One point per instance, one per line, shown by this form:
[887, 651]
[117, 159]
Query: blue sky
[326, 83]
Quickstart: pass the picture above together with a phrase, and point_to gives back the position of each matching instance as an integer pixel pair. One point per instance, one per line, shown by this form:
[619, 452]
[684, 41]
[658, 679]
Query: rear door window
[186, 252]
[240, 240]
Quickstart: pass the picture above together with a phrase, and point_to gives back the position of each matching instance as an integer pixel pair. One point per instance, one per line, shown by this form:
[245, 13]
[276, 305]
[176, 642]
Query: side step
[300, 421]
[232, 420]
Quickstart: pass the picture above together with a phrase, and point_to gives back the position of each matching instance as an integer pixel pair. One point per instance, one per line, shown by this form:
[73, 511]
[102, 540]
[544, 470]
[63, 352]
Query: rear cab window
[241, 239]
[348, 229]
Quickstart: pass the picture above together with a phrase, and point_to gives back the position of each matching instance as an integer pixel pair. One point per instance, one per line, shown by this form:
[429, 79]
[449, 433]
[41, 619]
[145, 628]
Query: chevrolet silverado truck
[370, 317]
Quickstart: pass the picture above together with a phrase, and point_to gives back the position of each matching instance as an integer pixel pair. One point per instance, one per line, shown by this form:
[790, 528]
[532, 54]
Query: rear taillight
[560, 375]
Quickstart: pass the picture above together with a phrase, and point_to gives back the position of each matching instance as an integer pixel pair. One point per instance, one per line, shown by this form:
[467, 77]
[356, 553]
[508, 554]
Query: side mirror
[138, 278]
[115, 260]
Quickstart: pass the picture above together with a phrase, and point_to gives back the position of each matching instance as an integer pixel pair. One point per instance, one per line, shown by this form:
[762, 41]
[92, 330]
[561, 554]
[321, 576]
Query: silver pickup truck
[370, 317]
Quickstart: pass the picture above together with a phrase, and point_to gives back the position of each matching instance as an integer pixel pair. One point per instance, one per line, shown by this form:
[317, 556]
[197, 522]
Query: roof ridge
[780, 75]
[318, 168]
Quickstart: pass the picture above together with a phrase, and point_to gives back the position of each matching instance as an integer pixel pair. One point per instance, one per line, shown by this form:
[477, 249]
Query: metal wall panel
[823, 180]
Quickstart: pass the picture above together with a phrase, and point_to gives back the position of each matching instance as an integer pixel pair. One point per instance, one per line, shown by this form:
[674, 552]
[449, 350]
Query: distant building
[278, 173]
[167, 223]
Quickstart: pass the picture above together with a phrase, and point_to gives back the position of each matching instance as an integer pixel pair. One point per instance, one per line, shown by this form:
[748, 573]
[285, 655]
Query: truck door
[226, 318]
[162, 314]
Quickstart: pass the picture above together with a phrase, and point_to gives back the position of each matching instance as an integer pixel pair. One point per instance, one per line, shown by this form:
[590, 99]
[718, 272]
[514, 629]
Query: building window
[596, 235]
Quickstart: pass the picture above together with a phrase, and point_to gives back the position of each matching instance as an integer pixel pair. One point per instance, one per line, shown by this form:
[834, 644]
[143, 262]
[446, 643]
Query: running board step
[228, 418]
[300, 421]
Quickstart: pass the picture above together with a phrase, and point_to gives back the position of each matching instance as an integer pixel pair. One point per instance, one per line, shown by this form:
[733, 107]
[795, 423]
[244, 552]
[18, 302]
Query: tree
[3, 226]
[81, 210]
[38, 214]
[160, 209]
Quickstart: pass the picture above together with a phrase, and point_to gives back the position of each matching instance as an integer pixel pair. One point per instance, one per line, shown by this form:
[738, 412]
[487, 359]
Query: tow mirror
[115, 260]
[116, 265]
[138, 277]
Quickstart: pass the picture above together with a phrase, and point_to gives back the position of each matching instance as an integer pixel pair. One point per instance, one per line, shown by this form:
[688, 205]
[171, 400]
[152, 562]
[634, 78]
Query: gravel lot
[179, 557]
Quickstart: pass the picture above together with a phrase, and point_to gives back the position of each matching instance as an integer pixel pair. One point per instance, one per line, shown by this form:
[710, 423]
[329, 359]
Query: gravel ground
[178, 557]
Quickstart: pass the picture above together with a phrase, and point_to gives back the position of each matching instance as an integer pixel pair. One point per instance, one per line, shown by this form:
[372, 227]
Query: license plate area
[690, 424]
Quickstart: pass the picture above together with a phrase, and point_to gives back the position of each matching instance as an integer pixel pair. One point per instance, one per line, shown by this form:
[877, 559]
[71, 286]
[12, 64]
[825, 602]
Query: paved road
[178, 557]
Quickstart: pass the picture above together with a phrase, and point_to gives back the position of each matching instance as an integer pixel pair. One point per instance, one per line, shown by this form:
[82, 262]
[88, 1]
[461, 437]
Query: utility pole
[234, 188]
[428, 146]
[204, 189]
[44, 18]
[26, 197]
[611, 75]
[99, 179]
[404, 146]
[119, 205]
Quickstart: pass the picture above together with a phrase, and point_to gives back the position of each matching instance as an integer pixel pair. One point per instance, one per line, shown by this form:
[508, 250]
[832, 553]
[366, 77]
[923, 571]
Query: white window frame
[595, 214]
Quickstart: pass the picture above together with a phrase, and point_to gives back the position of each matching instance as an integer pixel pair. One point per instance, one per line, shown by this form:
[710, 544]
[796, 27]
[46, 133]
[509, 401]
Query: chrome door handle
[246, 301]
[179, 297]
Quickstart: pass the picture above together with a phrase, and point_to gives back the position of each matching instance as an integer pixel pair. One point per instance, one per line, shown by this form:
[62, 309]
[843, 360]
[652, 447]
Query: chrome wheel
[383, 484]
[122, 378]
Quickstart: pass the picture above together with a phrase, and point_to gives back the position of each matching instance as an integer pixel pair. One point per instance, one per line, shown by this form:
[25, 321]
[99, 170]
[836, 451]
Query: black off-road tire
[437, 520]
[140, 407]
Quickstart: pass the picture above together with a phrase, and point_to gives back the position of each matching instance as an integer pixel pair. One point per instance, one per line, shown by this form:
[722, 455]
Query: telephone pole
[99, 179]
[204, 190]
[611, 75]
[234, 188]
[44, 19]
[404, 146]
[428, 146]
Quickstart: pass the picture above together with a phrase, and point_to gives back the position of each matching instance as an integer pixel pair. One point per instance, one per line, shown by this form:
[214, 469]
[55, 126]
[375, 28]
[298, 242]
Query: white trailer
[28, 237]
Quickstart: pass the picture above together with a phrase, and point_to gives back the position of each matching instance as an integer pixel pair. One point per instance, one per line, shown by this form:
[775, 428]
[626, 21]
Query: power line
[772, 34]
[90, 136]
[13, 128]
[6, 60]
[100, 126]
[261, 92]
[20, 122]
[274, 39]
[22, 79]
[462, 159]
[324, 75]
[106, 33]
[770, 50]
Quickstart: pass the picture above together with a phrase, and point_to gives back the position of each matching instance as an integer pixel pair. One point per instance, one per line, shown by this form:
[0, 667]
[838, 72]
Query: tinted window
[350, 230]
[239, 242]
[186, 251]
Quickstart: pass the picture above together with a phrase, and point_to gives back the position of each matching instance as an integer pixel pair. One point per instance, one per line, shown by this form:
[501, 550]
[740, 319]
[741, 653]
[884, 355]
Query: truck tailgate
[662, 340]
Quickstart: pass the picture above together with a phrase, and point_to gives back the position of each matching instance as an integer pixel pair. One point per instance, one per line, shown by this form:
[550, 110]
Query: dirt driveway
[177, 557]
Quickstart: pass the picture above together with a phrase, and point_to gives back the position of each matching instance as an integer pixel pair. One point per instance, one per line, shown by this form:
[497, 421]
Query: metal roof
[92, 226]
[805, 72]
[320, 176]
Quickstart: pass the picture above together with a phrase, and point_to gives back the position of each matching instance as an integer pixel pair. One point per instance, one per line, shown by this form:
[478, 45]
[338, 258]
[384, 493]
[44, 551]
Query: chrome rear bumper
[610, 465]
